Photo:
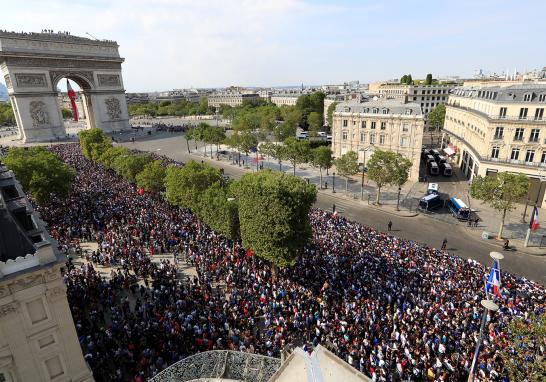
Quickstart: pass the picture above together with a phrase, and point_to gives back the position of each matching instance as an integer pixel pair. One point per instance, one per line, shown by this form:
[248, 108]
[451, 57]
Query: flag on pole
[72, 96]
[493, 282]
[533, 224]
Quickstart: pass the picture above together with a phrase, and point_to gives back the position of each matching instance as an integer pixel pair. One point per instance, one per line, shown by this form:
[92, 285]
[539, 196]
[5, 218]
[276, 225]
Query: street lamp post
[333, 182]
[365, 150]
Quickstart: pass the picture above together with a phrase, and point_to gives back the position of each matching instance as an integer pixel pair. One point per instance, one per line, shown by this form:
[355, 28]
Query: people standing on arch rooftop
[390, 307]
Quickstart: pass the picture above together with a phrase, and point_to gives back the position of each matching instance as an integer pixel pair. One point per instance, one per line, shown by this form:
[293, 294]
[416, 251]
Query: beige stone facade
[232, 99]
[285, 99]
[38, 340]
[385, 125]
[496, 129]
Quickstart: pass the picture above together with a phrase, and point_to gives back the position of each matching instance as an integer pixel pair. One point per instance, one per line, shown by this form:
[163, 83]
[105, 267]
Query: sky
[171, 44]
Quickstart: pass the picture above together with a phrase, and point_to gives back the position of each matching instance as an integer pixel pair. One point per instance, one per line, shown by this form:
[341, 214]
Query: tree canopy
[274, 215]
[6, 115]
[437, 116]
[296, 152]
[428, 79]
[330, 113]
[347, 166]
[177, 108]
[184, 185]
[387, 167]
[218, 209]
[501, 192]
[152, 177]
[94, 143]
[40, 172]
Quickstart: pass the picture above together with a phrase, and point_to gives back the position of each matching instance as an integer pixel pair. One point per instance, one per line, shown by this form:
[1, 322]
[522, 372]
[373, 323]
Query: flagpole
[530, 227]
[489, 305]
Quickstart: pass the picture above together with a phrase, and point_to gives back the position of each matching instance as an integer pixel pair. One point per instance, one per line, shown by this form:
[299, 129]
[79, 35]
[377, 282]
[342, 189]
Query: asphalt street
[421, 228]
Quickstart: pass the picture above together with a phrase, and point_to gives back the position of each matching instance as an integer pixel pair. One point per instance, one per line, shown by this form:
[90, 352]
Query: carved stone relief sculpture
[31, 80]
[39, 114]
[8, 81]
[113, 107]
[108, 80]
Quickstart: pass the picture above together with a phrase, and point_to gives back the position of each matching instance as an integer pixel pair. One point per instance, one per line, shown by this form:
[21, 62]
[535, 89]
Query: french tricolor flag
[533, 224]
[493, 282]
[72, 97]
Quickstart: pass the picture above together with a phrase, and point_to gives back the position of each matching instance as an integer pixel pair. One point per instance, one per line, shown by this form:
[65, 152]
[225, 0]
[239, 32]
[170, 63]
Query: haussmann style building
[389, 125]
[38, 340]
[496, 129]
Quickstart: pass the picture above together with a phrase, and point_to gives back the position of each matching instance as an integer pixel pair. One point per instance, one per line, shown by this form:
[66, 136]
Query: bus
[446, 169]
[430, 202]
[433, 168]
[458, 209]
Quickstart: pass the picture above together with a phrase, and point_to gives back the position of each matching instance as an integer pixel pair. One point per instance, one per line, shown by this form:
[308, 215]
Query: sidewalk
[408, 201]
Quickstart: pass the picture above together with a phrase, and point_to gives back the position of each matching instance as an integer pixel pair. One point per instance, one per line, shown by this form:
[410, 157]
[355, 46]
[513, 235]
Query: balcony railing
[496, 116]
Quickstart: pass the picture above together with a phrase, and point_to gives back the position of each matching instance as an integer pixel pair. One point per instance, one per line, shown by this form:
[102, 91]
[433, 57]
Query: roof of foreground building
[24, 241]
[230, 366]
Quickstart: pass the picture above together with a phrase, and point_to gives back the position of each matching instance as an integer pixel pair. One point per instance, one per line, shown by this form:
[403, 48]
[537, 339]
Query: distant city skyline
[213, 43]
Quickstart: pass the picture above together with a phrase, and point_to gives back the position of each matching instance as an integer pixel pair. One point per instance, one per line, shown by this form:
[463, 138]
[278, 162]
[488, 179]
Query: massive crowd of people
[393, 309]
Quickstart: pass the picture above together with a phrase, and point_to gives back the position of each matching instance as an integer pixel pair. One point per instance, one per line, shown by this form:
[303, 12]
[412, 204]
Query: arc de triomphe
[32, 65]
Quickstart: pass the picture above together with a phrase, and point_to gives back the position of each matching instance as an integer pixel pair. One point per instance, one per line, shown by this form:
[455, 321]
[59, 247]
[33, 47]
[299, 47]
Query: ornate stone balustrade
[222, 364]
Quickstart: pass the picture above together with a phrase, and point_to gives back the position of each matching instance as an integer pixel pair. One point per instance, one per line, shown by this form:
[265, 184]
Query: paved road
[421, 228]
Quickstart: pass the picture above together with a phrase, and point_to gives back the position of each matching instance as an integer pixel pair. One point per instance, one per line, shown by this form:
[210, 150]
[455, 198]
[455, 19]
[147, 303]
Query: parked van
[433, 168]
[432, 188]
[435, 153]
[430, 202]
[458, 209]
[446, 169]
[429, 159]
[441, 159]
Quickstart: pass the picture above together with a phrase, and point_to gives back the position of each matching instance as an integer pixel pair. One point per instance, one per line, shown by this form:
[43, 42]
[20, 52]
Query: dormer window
[367, 110]
[408, 111]
[527, 97]
[347, 109]
[375, 110]
[542, 98]
[385, 111]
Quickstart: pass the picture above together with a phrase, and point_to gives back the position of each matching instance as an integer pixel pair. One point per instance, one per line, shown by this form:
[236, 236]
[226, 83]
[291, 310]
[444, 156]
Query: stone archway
[32, 65]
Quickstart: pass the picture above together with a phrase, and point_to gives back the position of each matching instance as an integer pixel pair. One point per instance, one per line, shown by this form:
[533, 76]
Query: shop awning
[449, 151]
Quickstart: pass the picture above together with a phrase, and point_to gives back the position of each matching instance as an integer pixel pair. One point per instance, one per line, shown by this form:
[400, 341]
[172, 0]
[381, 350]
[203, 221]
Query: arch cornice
[76, 75]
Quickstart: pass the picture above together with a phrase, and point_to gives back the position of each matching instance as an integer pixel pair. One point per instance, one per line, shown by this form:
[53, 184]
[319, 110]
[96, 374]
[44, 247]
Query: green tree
[321, 157]
[428, 80]
[501, 192]
[246, 142]
[66, 113]
[347, 166]
[409, 80]
[108, 157]
[330, 113]
[184, 185]
[401, 167]
[284, 131]
[315, 123]
[214, 136]
[296, 152]
[274, 215]
[218, 209]
[128, 166]
[404, 79]
[94, 143]
[201, 133]
[40, 172]
[7, 118]
[521, 349]
[437, 116]
[380, 170]
[152, 177]
[203, 106]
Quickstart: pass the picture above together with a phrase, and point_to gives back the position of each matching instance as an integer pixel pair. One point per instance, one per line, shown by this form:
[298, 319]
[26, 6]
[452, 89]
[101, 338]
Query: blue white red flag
[493, 282]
